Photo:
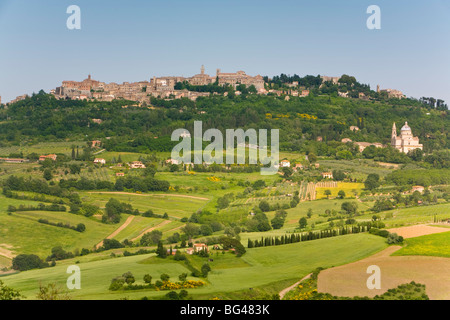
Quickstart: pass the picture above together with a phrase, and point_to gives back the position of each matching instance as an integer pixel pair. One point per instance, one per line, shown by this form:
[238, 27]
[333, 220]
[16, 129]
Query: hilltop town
[202, 85]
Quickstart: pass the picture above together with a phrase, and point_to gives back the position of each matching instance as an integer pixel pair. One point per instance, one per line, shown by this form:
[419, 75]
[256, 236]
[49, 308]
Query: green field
[135, 228]
[259, 267]
[175, 205]
[42, 148]
[357, 168]
[25, 234]
[437, 245]
[416, 215]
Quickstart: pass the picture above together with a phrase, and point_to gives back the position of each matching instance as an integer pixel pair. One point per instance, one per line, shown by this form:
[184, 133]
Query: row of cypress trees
[308, 236]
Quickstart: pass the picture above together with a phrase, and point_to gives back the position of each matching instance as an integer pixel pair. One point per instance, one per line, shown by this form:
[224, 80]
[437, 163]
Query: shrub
[394, 238]
[117, 283]
[24, 262]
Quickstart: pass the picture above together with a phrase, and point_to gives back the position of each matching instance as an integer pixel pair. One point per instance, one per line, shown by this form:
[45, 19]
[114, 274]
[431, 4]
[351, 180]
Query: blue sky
[136, 40]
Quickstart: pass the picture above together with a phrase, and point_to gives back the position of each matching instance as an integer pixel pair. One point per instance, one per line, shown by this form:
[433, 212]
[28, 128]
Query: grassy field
[175, 205]
[416, 215]
[437, 245]
[25, 234]
[357, 168]
[135, 228]
[349, 188]
[41, 148]
[258, 267]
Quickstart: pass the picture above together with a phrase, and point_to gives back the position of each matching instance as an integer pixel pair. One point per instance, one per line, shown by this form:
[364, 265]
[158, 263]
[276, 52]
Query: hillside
[300, 120]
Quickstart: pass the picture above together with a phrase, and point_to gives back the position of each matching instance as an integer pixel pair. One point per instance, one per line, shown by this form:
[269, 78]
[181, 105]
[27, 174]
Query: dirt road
[115, 233]
[284, 291]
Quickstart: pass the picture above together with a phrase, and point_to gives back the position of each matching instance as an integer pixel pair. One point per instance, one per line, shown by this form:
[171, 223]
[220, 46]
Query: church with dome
[406, 141]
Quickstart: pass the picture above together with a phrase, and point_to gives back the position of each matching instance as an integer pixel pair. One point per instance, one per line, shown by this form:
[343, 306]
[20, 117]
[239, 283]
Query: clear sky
[136, 40]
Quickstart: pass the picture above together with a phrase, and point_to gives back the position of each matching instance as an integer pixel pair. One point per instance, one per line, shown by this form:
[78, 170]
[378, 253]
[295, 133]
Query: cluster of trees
[392, 238]
[280, 81]
[372, 181]
[24, 262]
[433, 103]
[387, 154]
[114, 208]
[85, 209]
[278, 221]
[408, 200]
[14, 183]
[58, 253]
[438, 159]
[86, 184]
[232, 243]
[259, 222]
[151, 238]
[142, 184]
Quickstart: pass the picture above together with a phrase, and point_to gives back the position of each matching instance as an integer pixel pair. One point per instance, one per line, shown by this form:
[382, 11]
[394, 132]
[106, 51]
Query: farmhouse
[174, 251]
[327, 175]
[172, 161]
[96, 144]
[285, 163]
[305, 93]
[418, 188]
[97, 121]
[137, 165]
[50, 156]
[100, 161]
[200, 247]
[298, 166]
[120, 174]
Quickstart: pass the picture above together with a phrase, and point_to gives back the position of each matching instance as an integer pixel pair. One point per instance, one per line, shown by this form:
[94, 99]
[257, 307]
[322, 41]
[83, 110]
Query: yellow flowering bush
[189, 284]
[306, 116]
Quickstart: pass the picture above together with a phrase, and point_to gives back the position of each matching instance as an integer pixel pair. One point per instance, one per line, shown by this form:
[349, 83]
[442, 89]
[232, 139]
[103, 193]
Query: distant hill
[302, 121]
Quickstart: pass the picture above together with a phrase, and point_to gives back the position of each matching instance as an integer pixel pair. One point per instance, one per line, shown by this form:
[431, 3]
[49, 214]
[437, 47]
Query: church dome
[406, 127]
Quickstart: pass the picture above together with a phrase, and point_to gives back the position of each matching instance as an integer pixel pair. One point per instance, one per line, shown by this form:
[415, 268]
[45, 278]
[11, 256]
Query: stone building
[201, 79]
[391, 93]
[163, 84]
[406, 141]
[240, 77]
[334, 80]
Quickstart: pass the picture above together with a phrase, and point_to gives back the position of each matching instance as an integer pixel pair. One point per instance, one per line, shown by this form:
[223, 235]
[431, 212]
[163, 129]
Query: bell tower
[394, 134]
